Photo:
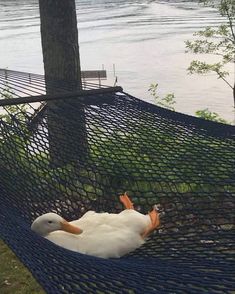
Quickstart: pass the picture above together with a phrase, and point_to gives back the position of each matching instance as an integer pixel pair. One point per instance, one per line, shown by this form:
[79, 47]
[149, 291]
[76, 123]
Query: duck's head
[50, 222]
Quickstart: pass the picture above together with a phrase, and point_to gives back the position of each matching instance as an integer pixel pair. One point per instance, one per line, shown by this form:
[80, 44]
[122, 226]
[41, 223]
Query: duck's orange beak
[67, 227]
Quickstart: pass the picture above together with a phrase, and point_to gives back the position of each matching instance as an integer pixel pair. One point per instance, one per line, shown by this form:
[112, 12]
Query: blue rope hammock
[79, 154]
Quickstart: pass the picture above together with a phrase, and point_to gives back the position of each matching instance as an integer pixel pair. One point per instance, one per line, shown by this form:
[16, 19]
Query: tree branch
[230, 23]
[224, 79]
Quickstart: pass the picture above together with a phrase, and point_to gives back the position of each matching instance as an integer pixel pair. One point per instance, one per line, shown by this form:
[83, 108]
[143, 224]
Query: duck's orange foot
[155, 222]
[125, 200]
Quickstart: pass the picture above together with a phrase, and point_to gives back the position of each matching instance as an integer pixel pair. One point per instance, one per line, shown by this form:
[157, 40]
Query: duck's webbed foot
[155, 222]
[125, 200]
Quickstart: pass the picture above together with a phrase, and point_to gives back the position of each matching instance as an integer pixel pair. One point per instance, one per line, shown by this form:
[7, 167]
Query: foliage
[142, 159]
[136, 157]
[126, 153]
[167, 102]
[11, 111]
[225, 7]
[207, 114]
[218, 41]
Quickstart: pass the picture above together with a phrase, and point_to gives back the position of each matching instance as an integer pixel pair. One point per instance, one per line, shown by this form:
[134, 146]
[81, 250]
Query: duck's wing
[128, 218]
[103, 241]
[91, 219]
[106, 242]
[64, 239]
[135, 221]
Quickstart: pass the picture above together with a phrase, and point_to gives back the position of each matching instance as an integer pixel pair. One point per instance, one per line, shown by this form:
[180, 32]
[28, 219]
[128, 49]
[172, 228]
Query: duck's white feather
[128, 218]
[104, 235]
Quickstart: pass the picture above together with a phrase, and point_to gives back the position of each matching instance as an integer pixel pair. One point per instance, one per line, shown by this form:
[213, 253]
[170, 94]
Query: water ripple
[144, 38]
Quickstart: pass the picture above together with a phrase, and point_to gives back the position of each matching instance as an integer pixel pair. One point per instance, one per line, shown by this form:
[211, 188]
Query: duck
[104, 235]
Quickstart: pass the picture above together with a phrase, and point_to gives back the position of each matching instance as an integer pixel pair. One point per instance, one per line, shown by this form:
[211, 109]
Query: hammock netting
[80, 153]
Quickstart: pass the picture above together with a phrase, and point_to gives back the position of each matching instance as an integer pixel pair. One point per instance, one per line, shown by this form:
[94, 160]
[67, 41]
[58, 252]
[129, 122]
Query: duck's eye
[49, 222]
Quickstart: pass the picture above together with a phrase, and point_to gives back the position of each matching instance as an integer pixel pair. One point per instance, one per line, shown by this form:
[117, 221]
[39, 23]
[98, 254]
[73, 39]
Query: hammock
[79, 152]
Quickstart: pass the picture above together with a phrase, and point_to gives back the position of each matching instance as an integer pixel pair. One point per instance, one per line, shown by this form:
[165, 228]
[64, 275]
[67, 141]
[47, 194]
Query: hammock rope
[81, 156]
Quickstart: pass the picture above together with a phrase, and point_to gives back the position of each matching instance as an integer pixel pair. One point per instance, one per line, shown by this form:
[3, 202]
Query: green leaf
[209, 115]
[166, 102]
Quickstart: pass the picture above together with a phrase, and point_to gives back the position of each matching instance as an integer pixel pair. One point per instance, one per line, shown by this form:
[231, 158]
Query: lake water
[143, 38]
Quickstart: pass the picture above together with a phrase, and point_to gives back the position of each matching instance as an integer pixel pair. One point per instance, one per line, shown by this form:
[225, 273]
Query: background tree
[219, 41]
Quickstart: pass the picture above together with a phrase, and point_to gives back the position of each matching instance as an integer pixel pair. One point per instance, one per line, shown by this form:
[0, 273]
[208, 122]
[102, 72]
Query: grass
[14, 277]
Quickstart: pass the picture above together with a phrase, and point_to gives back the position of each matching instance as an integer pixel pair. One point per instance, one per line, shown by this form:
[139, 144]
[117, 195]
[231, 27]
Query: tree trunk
[66, 120]
[234, 95]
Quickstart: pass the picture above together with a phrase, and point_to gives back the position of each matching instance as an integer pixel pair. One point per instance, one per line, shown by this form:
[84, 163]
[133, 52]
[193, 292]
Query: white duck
[106, 235]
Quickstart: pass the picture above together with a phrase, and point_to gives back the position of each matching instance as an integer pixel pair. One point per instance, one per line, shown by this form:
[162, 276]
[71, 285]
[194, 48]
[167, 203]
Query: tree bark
[59, 37]
[234, 95]
[66, 119]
